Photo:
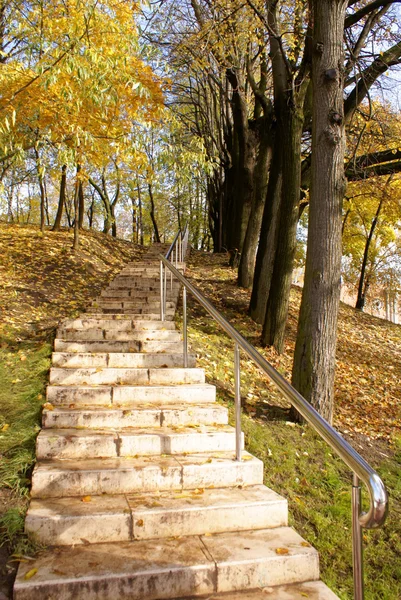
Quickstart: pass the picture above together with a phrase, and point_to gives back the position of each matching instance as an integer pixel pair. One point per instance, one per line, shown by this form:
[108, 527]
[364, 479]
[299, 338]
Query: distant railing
[362, 471]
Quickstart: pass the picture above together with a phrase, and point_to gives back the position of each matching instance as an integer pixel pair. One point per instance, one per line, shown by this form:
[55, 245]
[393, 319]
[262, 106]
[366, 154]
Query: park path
[136, 491]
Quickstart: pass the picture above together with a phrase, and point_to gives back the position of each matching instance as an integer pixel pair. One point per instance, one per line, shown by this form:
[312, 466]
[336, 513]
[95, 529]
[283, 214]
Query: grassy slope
[297, 463]
[41, 282]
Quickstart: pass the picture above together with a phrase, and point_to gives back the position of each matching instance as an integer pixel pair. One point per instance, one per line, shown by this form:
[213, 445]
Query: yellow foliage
[81, 81]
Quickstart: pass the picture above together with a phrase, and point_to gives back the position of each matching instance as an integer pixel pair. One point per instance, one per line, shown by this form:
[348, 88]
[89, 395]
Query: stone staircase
[136, 490]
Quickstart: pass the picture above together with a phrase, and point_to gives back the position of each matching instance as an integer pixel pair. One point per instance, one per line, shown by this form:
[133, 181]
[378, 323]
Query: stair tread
[313, 590]
[103, 464]
[137, 408]
[159, 431]
[154, 502]
[203, 563]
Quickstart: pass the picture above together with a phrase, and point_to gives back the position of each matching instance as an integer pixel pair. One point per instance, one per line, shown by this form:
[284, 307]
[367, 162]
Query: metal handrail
[378, 508]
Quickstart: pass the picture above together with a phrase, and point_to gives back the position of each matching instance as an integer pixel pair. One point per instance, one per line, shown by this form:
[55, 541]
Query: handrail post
[161, 293]
[184, 326]
[357, 541]
[237, 388]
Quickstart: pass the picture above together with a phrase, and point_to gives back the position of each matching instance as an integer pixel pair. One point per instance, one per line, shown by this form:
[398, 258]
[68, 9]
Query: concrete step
[126, 324]
[175, 415]
[137, 295]
[92, 312]
[127, 376]
[94, 335]
[168, 568]
[313, 590]
[131, 360]
[132, 313]
[133, 281]
[67, 521]
[83, 443]
[162, 346]
[134, 306]
[115, 396]
[59, 478]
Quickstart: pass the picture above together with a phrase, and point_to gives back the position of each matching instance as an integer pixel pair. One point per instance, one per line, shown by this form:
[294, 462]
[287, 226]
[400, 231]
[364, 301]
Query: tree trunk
[260, 177]
[42, 192]
[113, 222]
[314, 359]
[140, 222]
[152, 213]
[268, 238]
[244, 156]
[76, 209]
[290, 128]
[81, 204]
[360, 302]
[61, 200]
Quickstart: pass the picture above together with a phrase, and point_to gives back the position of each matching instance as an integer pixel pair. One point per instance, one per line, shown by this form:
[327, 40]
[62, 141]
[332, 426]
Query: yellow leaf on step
[282, 551]
[48, 406]
[139, 523]
[30, 573]
[305, 544]
[86, 499]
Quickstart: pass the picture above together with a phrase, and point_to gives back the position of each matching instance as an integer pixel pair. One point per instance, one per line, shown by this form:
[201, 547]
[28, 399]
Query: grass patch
[297, 463]
[23, 376]
[42, 282]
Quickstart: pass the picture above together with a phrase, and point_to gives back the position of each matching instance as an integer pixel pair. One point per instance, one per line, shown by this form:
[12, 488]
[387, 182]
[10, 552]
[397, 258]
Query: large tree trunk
[61, 201]
[314, 360]
[290, 129]
[268, 238]
[260, 179]
[244, 156]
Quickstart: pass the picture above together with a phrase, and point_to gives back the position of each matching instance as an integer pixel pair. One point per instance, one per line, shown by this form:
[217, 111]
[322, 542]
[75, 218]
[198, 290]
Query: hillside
[298, 464]
[42, 282]
[368, 355]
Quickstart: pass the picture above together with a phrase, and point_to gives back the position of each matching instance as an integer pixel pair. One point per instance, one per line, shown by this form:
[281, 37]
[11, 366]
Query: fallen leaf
[30, 573]
[5, 427]
[282, 551]
[86, 499]
[48, 406]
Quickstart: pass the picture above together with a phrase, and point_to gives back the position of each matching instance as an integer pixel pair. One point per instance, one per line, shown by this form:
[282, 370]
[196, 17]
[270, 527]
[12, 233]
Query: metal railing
[362, 471]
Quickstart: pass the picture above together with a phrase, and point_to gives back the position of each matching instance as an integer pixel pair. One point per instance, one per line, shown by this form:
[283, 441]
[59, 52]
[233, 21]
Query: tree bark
[61, 200]
[314, 359]
[260, 178]
[360, 302]
[81, 204]
[42, 192]
[76, 209]
[152, 213]
[278, 301]
[268, 238]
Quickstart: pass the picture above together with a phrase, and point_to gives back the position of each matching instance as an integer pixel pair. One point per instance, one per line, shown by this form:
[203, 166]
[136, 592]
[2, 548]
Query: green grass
[299, 465]
[24, 370]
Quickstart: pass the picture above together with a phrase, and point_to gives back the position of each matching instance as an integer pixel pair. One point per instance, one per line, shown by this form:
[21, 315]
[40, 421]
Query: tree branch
[362, 12]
